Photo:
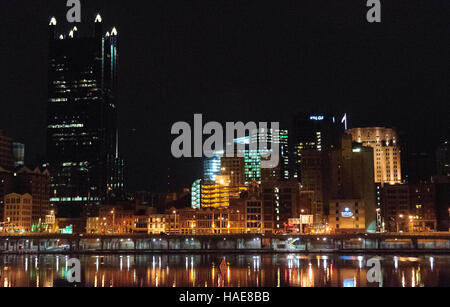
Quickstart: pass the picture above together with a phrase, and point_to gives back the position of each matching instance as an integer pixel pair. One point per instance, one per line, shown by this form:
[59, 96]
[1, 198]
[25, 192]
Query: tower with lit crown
[82, 135]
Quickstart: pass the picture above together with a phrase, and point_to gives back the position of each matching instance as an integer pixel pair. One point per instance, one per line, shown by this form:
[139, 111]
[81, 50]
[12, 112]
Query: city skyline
[227, 143]
[164, 79]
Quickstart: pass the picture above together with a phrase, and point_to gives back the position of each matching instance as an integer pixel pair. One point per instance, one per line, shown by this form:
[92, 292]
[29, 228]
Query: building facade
[18, 212]
[352, 178]
[82, 135]
[386, 152]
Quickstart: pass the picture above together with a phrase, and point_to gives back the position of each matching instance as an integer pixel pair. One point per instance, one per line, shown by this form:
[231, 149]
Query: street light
[113, 212]
[175, 225]
[411, 222]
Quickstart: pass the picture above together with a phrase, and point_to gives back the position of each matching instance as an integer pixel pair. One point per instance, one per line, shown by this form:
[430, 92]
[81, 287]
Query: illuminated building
[422, 216]
[280, 200]
[253, 157]
[34, 182]
[18, 154]
[312, 132]
[116, 219]
[409, 207]
[18, 212]
[207, 221]
[352, 181]
[386, 152]
[93, 225]
[157, 224]
[254, 212]
[314, 170]
[219, 194]
[347, 215]
[196, 194]
[211, 168]
[82, 136]
[233, 167]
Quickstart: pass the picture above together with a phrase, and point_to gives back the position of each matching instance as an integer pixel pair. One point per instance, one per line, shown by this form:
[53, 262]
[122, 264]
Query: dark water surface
[274, 270]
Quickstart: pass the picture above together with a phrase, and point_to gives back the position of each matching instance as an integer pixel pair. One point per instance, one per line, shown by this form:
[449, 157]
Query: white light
[61, 36]
[113, 31]
[53, 21]
[98, 18]
[71, 34]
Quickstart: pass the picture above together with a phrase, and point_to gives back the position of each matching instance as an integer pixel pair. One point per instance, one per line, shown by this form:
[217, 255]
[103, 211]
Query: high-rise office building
[443, 159]
[314, 170]
[255, 155]
[312, 132]
[313, 137]
[233, 167]
[18, 154]
[82, 136]
[352, 204]
[211, 168]
[6, 151]
[386, 152]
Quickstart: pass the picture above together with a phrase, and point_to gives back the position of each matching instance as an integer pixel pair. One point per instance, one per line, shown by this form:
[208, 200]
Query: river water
[204, 270]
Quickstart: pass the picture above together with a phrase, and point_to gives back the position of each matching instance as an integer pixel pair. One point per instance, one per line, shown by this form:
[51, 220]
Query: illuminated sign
[317, 118]
[347, 213]
[68, 230]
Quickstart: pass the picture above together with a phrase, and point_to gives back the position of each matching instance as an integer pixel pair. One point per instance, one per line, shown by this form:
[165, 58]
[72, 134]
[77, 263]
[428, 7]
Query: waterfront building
[93, 225]
[423, 207]
[35, 182]
[280, 200]
[82, 136]
[347, 215]
[157, 224]
[18, 212]
[386, 152]
[409, 207]
[395, 204]
[442, 201]
[315, 182]
[352, 178]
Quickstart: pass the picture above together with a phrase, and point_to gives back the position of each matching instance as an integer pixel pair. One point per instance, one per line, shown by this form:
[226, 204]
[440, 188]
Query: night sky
[238, 60]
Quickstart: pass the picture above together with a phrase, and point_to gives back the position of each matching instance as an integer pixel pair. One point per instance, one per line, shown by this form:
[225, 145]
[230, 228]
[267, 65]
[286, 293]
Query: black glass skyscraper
[82, 136]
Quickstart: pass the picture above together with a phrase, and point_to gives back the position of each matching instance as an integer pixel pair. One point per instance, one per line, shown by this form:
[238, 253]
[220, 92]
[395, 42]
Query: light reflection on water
[279, 270]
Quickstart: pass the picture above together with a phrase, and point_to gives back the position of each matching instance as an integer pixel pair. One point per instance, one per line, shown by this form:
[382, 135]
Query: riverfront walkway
[144, 243]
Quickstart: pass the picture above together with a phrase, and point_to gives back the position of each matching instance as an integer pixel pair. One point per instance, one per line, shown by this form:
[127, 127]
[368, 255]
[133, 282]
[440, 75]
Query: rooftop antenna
[345, 121]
